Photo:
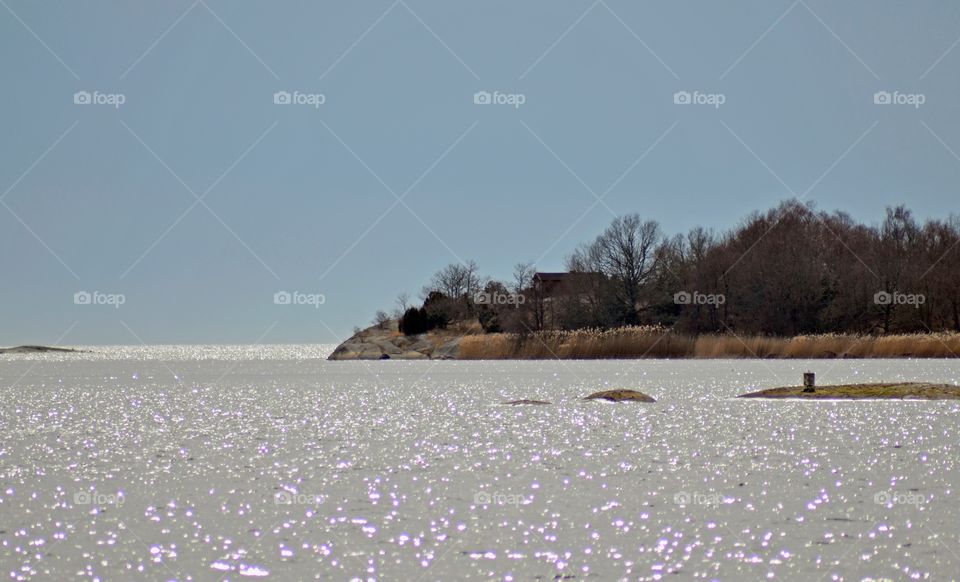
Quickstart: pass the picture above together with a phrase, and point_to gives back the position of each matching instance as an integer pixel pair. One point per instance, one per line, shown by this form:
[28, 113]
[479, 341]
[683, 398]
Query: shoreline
[466, 342]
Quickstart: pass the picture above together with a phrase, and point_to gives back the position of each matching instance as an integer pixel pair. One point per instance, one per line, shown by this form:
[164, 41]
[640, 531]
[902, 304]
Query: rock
[34, 350]
[421, 345]
[375, 343]
[620, 396]
[533, 402]
[387, 347]
[899, 391]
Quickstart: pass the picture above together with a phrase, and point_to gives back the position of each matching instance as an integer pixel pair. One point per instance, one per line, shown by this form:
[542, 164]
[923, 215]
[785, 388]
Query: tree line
[791, 270]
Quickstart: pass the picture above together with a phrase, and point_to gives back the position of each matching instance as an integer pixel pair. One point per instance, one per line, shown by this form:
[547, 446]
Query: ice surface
[185, 462]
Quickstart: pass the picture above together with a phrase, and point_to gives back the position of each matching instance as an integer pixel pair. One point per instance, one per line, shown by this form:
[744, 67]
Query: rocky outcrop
[375, 343]
[620, 396]
[34, 350]
[901, 391]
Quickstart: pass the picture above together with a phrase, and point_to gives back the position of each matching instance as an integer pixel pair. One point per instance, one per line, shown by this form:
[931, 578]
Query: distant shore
[466, 342]
[34, 350]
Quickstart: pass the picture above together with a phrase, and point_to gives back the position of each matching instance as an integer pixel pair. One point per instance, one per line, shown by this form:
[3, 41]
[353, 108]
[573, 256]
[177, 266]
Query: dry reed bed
[658, 342]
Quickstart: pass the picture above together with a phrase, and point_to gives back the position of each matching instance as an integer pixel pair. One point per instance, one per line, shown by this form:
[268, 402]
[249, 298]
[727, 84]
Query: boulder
[620, 395]
[387, 347]
[421, 345]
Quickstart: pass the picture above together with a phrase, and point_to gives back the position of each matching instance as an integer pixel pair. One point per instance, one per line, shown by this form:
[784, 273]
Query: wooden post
[809, 381]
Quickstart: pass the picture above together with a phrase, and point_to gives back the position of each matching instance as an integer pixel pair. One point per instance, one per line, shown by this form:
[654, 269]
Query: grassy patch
[910, 390]
[658, 342]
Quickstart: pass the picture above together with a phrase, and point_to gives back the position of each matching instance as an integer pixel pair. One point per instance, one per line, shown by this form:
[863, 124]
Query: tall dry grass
[658, 342]
[626, 342]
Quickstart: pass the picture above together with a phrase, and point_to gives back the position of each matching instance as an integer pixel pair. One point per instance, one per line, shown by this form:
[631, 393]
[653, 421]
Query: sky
[169, 167]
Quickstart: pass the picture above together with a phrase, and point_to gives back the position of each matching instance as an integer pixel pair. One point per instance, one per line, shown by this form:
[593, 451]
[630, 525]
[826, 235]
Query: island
[620, 395]
[36, 350]
[819, 285]
[886, 391]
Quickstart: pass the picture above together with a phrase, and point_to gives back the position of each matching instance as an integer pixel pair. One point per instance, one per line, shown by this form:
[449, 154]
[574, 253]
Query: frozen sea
[242, 462]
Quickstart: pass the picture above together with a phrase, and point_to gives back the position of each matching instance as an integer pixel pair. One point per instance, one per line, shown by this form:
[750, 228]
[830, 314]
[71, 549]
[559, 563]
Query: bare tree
[381, 319]
[523, 277]
[402, 303]
[456, 281]
[626, 252]
[898, 253]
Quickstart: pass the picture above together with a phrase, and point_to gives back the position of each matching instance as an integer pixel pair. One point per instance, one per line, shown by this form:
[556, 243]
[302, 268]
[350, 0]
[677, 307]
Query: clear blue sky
[304, 198]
